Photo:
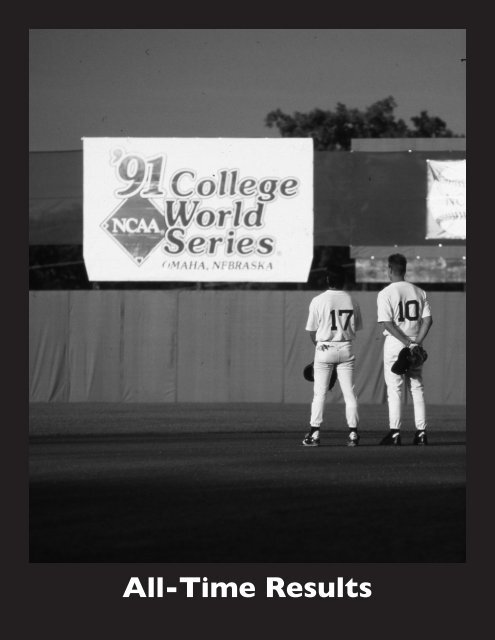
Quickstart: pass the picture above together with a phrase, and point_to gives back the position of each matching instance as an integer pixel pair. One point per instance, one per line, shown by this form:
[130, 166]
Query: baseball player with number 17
[405, 315]
[334, 317]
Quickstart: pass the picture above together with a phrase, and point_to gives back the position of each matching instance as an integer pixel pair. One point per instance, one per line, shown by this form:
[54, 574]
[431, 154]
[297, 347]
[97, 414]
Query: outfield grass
[232, 483]
[110, 418]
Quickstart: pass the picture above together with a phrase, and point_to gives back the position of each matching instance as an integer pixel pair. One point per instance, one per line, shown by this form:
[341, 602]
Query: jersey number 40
[409, 310]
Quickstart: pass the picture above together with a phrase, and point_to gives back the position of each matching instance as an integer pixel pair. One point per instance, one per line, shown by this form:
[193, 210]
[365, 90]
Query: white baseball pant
[340, 354]
[395, 387]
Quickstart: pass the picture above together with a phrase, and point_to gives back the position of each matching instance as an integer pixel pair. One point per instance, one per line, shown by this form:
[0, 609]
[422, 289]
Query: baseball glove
[308, 373]
[409, 359]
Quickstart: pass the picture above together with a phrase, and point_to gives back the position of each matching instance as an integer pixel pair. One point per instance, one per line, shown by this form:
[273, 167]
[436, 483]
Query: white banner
[198, 209]
[446, 199]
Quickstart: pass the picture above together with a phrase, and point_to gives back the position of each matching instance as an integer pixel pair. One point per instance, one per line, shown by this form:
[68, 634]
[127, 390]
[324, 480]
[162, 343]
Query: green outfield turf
[232, 483]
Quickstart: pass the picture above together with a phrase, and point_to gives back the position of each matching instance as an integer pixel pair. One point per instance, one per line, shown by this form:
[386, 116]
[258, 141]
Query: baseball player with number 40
[405, 315]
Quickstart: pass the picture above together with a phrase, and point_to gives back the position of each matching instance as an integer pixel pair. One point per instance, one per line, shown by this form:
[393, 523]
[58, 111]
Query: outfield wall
[213, 346]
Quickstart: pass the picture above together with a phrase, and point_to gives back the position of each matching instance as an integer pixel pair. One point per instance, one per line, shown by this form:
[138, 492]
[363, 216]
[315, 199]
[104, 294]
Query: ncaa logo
[137, 226]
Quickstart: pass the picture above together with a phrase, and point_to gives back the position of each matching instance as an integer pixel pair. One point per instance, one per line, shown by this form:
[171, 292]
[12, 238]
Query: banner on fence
[446, 199]
[198, 209]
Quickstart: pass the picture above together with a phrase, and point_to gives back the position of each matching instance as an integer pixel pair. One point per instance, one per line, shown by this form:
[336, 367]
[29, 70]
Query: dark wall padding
[214, 346]
[49, 346]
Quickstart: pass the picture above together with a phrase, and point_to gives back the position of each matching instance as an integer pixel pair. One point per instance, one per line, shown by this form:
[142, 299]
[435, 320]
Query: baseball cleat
[311, 441]
[420, 438]
[353, 439]
[391, 439]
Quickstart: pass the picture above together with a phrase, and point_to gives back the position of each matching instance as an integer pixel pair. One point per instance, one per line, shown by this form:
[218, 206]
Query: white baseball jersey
[335, 316]
[405, 304]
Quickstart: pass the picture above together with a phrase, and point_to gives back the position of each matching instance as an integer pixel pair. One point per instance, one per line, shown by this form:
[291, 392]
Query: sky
[223, 82]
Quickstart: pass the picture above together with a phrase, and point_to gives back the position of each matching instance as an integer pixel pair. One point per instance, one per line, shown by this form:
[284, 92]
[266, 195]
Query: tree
[427, 127]
[334, 130]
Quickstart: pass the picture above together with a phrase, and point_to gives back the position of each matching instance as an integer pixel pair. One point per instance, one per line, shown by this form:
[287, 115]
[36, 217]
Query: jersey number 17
[348, 312]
